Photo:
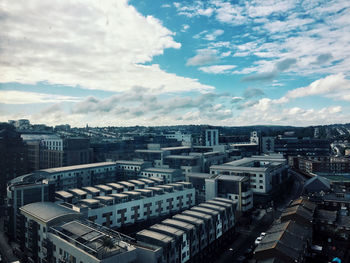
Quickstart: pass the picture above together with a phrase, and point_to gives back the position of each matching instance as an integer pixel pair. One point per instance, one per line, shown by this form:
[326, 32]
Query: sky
[158, 62]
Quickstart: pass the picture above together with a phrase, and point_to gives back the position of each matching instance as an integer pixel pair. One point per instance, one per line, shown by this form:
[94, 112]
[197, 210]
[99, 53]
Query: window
[261, 187]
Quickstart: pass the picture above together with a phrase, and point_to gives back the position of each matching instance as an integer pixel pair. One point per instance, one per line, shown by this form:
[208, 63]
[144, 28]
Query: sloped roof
[318, 179]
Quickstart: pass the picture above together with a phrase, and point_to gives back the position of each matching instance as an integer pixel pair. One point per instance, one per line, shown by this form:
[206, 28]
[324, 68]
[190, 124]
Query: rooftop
[159, 170]
[64, 194]
[168, 229]
[176, 148]
[129, 162]
[165, 239]
[77, 167]
[88, 237]
[200, 175]
[46, 211]
[185, 157]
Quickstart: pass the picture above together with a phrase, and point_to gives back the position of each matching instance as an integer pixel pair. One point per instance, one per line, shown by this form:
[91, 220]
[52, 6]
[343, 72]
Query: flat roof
[176, 148]
[155, 236]
[90, 239]
[188, 219]
[77, 191]
[156, 179]
[129, 162]
[143, 190]
[91, 189]
[133, 193]
[218, 203]
[159, 170]
[155, 188]
[212, 206]
[125, 183]
[204, 210]
[185, 157]
[115, 185]
[64, 194]
[105, 198]
[146, 180]
[46, 211]
[231, 178]
[200, 175]
[168, 229]
[148, 151]
[103, 187]
[177, 223]
[77, 167]
[137, 182]
[197, 214]
[120, 195]
[90, 201]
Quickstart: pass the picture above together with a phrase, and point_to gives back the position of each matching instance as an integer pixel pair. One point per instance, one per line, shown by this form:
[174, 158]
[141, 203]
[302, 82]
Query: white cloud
[217, 69]
[203, 57]
[212, 36]
[24, 97]
[333, 86]
[185, 27]
[86, 43]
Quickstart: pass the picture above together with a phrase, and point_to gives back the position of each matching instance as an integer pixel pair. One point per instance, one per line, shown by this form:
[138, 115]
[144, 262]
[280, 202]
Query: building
[155, 156]
[211, 137]
[130, 169]
[111, 207]
[20, 194]
[34, 187]
[286, 242]
[13, 161]
[187, 163]
[321, 165]
[265, 173]
[184, 138]
[317, 184]
[198, 182]
[192, 235]
[267, 145]
[166, 174]
[293, 146]
[235, 188]
[49, 151]
[232, 187]
[54, 233]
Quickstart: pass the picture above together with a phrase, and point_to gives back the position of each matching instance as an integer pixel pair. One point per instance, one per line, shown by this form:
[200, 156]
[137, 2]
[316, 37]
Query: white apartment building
[54, 233]
[132, 206]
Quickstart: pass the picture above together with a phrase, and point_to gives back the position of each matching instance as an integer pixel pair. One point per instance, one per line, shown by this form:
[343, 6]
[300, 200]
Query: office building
[266, 173]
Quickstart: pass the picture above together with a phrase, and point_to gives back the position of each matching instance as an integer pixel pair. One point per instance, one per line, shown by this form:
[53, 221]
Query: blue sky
[217, 62]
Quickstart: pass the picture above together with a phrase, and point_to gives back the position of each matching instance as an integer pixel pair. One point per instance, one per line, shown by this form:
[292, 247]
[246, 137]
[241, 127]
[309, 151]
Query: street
[246, 236]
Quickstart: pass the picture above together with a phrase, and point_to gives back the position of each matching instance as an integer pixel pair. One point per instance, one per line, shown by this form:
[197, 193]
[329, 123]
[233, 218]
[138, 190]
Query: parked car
[258, 240]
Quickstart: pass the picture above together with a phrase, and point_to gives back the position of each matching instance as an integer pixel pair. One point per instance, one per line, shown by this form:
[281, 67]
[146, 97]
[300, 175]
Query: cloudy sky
[122, 63]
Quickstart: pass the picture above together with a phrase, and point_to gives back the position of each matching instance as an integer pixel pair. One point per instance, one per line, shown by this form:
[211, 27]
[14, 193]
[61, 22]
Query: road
[246, 237]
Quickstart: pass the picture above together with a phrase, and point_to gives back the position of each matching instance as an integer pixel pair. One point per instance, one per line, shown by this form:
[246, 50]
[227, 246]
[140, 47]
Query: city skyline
[124, 63]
